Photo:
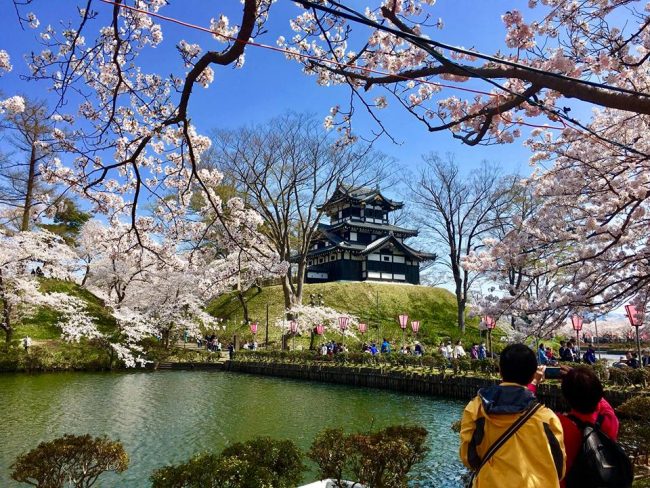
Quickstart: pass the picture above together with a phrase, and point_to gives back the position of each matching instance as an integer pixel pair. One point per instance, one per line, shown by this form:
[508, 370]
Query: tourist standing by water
[590, 355]
[541, 355]
[533, 456]
[482, 351]
[567, 353]
[458, 351]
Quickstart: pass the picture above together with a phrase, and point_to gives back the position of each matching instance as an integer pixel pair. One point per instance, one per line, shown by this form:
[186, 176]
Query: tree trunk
[461, 314]
[24, 226]
[244, 304]
[300, 280]
[460, 296]
[311, 339]
[6, 312]
[287, 290]
[86, 274]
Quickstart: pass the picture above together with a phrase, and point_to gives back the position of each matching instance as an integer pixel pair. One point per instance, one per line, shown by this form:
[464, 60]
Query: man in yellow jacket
[534, 456]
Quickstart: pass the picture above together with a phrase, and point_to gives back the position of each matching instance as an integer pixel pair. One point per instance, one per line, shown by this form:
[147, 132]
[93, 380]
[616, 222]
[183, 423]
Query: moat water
[166, 417]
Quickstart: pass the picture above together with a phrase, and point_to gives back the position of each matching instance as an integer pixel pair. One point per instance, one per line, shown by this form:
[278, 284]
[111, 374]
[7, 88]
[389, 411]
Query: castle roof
[359, 224]
[338, 244]
[361, 195]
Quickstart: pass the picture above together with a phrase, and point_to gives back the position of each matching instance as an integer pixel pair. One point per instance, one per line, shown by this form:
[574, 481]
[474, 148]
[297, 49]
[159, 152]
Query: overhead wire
[561, 116]
[357, 17]
[422, 43]
[325, 60]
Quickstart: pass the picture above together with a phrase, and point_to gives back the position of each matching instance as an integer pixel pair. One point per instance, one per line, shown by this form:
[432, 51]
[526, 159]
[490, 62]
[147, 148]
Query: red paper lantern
[415, 325]
[363, 328]
[634, 316]
[489, 322]
[403, 321]
[576, 321]
[293, 326]
[343, 323]
[253, 327]
[320, 329]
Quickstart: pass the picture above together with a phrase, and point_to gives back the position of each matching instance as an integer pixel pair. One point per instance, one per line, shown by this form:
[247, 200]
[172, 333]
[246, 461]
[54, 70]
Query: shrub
[258, 463]
[71, 460]
[601, 369]
[377, 460]
[634, 431]
[331, 451]
[620, 376]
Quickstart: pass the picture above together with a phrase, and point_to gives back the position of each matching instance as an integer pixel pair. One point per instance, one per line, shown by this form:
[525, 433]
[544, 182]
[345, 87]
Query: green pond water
[166, 417]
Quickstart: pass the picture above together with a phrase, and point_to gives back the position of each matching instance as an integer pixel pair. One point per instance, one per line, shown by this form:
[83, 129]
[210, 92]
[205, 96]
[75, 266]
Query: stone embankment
[449, 386]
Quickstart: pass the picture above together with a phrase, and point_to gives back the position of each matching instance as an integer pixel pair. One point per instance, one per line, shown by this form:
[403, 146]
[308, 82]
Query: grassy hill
[42, 325]
[378, 304]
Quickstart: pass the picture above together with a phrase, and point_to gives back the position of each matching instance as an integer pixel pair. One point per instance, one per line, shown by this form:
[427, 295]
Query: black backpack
[600, 463]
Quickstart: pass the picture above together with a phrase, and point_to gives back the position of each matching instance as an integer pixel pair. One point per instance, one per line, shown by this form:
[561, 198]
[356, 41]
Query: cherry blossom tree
[587, 241]
[553, 55]
[134, 141]
[15, 104]
[21, 254]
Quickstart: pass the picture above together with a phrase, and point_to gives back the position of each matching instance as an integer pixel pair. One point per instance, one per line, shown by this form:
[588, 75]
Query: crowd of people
[568, 352]
[508, 438]
[330, 348]
[477, 351]
[631, 360]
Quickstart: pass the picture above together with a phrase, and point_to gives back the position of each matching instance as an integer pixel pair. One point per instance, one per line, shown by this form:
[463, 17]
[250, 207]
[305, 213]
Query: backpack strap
[514, 427]
[581, 424]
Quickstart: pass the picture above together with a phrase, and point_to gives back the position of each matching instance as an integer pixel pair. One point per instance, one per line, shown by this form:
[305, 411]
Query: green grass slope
[42, 325]
[378, 304]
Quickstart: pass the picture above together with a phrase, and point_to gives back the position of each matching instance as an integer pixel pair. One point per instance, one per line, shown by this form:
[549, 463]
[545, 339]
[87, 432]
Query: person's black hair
[541, 346]
[517, 364]
[582, 389]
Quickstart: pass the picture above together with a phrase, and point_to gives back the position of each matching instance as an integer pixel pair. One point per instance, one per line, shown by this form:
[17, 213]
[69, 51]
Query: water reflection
[166, 417]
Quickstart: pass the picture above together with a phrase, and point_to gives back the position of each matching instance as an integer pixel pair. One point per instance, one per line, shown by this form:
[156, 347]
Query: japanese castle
[359, 244]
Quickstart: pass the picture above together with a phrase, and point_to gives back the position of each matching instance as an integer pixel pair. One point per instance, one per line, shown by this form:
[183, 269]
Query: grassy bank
[377, 304]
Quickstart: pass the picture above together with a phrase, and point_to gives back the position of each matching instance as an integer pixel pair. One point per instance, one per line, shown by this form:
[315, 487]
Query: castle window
[332, 257]
[321, 260]
[309, 262]
[386, 258]
[353, 236]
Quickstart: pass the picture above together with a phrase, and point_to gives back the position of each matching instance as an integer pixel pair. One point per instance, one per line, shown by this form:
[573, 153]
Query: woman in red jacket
[583, 392]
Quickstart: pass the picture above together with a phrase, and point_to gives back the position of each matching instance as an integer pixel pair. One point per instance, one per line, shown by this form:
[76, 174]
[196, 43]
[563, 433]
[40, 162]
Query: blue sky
[269, 85]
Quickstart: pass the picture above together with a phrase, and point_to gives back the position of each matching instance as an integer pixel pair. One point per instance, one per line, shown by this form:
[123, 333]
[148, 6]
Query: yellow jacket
[533, 457]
